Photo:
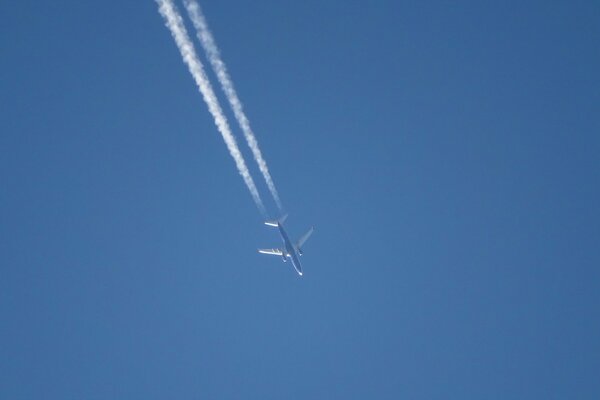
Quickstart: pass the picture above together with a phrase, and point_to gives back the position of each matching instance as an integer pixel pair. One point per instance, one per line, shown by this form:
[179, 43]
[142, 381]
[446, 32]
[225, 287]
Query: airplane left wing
[274, 252]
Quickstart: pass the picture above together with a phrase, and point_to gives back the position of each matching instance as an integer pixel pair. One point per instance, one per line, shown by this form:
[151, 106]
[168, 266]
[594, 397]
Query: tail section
[276, 222]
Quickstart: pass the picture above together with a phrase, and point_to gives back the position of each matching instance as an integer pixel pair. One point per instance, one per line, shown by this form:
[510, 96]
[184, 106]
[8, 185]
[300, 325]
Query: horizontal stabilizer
[276, 222]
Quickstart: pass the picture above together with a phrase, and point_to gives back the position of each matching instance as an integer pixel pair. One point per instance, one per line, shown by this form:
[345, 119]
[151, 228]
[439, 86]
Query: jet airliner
[289, 250]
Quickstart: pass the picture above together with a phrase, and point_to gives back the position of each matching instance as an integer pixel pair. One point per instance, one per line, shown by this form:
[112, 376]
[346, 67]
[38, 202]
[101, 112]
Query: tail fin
[276, 222]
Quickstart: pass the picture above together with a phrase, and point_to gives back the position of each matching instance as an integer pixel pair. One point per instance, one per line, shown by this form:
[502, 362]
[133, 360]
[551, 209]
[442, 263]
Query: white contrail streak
[175, 24]
[217, 64]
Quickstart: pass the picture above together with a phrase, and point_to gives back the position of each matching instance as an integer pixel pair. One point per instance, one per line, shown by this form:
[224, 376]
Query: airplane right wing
[304, 237]
[273, 252]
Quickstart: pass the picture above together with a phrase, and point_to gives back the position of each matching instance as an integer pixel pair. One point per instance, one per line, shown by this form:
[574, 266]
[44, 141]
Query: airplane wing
[304, 237]
[274, 252]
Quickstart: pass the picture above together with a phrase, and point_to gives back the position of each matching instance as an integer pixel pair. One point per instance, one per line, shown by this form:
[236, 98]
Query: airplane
[291, 250]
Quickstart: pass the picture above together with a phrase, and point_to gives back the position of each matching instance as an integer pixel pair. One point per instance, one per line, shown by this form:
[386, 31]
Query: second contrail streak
[188, 53]
[217, 64]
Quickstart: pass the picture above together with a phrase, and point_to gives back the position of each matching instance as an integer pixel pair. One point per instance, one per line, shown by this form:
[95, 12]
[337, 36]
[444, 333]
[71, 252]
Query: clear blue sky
[448, 154]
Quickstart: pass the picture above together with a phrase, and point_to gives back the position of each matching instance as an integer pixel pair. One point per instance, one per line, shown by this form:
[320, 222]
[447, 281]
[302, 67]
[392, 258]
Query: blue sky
[447, 154]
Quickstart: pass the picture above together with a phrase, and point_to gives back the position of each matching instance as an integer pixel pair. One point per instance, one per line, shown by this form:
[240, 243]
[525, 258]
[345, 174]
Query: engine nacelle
[299, 251]
[284, 257]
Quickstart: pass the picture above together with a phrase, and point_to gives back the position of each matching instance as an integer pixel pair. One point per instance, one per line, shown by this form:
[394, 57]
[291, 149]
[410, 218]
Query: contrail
[175, 24]
[217, 64]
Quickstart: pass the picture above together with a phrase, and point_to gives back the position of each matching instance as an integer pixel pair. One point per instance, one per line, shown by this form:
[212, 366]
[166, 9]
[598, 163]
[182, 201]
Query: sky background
[447, 153]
